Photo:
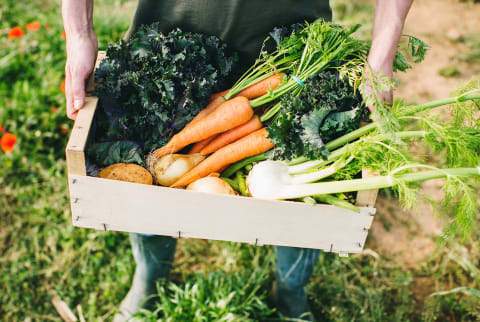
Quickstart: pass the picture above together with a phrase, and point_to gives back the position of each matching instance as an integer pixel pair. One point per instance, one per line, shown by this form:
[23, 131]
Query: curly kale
[326, 108]
[152, 85]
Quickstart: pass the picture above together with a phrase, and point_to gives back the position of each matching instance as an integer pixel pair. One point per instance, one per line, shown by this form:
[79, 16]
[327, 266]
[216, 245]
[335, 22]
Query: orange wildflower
[16, 32]
[62, 86]
[1, 129]
[7, 142]
[33, 26]
[64, 35]
[53, 109]
[47, 26]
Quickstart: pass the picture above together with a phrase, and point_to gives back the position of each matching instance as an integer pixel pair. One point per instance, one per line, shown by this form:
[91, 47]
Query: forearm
[77, 17]
[387, 28]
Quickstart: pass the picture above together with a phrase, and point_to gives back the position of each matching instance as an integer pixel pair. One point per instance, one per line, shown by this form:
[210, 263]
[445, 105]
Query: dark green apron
[242, 24]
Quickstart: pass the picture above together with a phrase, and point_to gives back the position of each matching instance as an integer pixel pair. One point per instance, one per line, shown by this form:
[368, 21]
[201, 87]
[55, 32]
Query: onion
[211, 185]
[169, 168]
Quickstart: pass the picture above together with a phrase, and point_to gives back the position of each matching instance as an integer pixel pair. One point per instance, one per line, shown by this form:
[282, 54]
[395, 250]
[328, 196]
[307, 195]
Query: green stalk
[369, 183]
[309, 201]
[232, 183]
[271, 112]
[240, 164]
[411, 110]
[334, 201]
[242, 186]
[334, 155]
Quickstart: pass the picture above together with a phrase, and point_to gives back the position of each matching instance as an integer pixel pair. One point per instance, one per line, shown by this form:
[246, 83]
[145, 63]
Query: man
[243, 25]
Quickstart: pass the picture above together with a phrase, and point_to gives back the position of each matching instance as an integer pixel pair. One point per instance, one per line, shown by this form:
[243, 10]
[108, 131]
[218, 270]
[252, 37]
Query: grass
[41, 253]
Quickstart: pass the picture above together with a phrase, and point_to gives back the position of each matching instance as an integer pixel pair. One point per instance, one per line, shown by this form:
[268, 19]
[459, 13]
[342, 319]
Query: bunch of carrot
[226, 129]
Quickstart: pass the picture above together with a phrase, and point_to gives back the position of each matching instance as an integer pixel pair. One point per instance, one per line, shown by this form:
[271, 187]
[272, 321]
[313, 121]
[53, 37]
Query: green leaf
[107, 153]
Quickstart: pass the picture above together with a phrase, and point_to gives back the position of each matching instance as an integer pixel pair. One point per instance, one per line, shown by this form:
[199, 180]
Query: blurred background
[407, 271]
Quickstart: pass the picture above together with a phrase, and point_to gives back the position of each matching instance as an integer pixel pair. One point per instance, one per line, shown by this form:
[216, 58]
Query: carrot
[252, 144]
[262, 87]
[212, 106]
[227, 116]
[197, 147]
[232, 135]
[223, 93]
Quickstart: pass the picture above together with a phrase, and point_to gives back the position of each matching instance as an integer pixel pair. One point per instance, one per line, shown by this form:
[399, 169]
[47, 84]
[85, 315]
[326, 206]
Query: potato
[126, 172]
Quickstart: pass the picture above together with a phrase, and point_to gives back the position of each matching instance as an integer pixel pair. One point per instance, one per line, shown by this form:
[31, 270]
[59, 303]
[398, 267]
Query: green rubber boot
[154, 257]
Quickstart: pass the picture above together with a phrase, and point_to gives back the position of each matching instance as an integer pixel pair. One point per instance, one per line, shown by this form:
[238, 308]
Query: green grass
[41, 252]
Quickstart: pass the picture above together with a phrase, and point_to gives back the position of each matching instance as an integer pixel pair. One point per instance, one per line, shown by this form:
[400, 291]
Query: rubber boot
[154, 257]
[293, 269]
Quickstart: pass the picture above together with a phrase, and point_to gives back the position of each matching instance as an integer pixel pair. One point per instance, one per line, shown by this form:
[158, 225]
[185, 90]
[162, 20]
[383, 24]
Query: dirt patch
[408, 236]
[443, 24]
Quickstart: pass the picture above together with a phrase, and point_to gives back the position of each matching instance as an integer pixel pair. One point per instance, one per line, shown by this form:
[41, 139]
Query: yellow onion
[211, 184]
[169, 168]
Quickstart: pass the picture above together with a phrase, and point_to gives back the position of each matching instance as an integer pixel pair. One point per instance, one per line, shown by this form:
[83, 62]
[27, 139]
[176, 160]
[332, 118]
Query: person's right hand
[81, 55]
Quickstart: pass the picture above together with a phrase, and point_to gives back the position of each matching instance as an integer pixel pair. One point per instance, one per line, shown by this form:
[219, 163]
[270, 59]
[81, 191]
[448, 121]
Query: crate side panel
[115, 205]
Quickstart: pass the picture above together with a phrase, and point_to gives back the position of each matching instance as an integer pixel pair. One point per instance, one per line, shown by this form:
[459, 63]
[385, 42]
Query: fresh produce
[262, 87]
[211, 184]
[107, 153]
[126, 172]
[169, 168]
[212, 106]
[254, 143]
[227, 116]
[390, 154]
[197, 147]
[154, 84]
[270, 180]
[326, 108]
[232, 135]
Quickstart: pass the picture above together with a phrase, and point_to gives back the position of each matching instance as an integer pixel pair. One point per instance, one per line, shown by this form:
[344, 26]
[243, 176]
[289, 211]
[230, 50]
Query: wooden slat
[115, 205]
[91, 80]
[78, 138]
[75, 151]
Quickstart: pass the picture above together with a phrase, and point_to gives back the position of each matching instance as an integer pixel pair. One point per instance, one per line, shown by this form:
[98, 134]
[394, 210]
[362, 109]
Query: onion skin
[169, 168]
[211, 185]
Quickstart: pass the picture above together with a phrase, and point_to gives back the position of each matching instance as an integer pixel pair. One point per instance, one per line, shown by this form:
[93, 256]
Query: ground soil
[408, 236]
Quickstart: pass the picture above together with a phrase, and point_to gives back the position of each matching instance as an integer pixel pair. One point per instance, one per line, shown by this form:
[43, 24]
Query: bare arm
[390, 16]
[82, 49]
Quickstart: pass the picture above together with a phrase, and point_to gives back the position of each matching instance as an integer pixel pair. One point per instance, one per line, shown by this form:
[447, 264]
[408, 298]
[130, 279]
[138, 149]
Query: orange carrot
[227, 116]
[232, 135]
[262, 87]
[197, 147]
[212, 106]
[252, 144]
[223, 93]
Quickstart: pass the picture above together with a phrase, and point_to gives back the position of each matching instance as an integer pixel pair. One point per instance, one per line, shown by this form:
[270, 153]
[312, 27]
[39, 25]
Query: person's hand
[386, 71]
[81, 55]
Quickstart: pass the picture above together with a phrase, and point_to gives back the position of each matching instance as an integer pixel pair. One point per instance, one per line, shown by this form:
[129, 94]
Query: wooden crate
[122, 206]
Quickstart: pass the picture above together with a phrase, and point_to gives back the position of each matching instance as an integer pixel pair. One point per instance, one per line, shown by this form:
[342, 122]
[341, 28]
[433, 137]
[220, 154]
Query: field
[408, 271]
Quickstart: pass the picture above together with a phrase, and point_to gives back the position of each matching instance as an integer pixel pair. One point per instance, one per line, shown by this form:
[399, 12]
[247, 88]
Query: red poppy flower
[33, 26]
[62, 86]
[7, 142]
[1, 129]
[47, 26]
[16, 32]
[64, 35]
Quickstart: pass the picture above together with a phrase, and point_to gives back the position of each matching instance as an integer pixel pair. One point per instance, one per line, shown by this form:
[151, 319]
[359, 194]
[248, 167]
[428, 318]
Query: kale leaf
[151, 86]
[107, 153]
[326, 108]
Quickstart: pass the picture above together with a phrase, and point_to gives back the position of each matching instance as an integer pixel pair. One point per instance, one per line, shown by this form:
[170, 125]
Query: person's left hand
[387, 70]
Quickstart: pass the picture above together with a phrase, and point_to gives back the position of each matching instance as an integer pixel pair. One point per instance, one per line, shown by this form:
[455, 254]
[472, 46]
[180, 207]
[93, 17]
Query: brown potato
[126, 172]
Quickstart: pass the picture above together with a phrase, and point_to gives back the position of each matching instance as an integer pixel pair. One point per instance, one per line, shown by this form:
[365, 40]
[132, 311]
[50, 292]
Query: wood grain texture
[75, 151]
[114, 205]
